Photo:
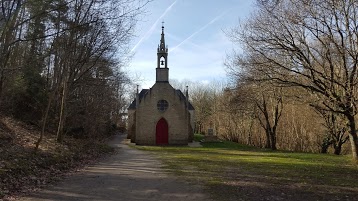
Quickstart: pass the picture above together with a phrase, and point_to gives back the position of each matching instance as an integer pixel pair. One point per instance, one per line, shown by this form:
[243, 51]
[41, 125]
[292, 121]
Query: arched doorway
[161, 136]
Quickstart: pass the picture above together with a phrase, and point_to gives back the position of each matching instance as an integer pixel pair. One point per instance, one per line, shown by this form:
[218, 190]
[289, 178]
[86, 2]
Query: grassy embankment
[231, 171]
[22, 170]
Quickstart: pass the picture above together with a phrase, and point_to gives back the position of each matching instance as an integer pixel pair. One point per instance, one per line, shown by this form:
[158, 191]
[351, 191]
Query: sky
[195, 36]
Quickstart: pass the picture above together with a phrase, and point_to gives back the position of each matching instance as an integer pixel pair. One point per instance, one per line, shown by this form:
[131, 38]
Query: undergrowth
[22, 169]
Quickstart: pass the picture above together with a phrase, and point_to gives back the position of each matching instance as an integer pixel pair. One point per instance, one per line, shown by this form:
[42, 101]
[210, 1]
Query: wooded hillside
[62, 84]
[22, 170]
[61, 63]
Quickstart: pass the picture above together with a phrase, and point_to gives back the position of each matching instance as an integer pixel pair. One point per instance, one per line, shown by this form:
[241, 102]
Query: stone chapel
[161, 115]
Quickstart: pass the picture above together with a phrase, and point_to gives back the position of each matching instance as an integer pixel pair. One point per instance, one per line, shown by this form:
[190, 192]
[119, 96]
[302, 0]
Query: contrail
[150, 31]
[201, 29]
[177, 39]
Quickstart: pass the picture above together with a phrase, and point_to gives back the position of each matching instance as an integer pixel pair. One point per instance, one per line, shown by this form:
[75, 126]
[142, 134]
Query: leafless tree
[309, 44]
[337, 128]
[53, 51]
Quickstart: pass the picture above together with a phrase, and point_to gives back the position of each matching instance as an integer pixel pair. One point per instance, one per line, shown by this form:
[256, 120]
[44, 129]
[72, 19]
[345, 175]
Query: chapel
[161, 115]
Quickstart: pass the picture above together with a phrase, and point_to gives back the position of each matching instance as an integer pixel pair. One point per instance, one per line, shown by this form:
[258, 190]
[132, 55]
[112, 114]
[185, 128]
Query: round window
[162, 105]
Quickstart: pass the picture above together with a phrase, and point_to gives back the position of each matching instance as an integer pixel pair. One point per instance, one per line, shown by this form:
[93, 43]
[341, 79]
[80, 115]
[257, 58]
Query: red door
[161, 136]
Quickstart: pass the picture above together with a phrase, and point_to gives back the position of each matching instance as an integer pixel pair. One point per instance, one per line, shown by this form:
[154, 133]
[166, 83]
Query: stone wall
[148, 115]
[131, 125]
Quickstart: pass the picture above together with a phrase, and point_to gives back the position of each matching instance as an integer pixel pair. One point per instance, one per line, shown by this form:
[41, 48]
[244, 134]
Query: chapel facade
[161, 115]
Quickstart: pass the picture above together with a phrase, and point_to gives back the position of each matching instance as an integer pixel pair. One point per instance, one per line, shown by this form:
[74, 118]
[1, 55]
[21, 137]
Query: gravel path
[129, 175]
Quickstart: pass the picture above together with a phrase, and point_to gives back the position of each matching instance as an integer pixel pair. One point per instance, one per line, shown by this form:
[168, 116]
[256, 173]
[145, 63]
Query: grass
[198, 137]
[231, 171]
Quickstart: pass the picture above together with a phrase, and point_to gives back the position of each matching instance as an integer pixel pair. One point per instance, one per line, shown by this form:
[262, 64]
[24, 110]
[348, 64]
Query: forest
[63, 86]
[61, 63]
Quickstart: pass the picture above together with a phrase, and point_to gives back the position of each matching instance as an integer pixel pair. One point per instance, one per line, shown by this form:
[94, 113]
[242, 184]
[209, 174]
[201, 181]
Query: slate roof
[144, 92]
[182, 97]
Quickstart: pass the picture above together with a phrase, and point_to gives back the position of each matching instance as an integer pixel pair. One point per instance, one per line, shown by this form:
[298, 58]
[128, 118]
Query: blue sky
[194, 34]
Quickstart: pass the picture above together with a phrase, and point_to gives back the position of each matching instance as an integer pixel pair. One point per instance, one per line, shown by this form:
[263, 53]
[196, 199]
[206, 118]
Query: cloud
[201, 29]
[150, 31]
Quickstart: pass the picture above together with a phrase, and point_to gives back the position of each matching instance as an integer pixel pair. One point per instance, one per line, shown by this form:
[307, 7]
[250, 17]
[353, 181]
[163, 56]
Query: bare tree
[265, 102]
[270, 108]
[11, 13]
[62, 59]
[336, 126]
[309, 44]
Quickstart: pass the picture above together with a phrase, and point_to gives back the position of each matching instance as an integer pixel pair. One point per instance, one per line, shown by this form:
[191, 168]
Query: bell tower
[162, 70]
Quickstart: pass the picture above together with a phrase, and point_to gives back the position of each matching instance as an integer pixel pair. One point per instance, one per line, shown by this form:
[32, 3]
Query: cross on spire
[163, 27]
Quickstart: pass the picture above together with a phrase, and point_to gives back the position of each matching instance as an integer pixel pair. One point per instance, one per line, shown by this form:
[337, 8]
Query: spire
[162, 51]
[162, 48]
[162, 70]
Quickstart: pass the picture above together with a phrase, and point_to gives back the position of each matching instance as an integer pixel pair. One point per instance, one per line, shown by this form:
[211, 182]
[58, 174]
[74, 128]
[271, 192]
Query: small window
[162, 105]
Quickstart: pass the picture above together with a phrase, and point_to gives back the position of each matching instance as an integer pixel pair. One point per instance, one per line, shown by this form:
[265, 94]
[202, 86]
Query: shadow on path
[128, 175]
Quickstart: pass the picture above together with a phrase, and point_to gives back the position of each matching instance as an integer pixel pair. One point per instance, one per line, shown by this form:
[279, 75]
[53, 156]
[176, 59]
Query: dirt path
[129, 175]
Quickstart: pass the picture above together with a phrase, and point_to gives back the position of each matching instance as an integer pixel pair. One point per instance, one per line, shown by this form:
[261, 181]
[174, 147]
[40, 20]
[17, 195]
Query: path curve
[129, 175]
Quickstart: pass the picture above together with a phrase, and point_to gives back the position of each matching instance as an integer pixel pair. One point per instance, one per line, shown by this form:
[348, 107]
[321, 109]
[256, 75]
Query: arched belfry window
[162, 62]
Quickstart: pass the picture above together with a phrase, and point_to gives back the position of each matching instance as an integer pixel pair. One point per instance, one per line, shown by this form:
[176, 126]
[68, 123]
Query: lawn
[230, 171]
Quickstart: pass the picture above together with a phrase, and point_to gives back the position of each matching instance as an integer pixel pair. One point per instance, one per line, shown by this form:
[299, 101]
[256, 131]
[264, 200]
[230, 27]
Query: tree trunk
[44, 121]
[1, 85]
[338, 148]
[268, 143]
[62, 113]
[353, 137]
[341, 140]
[273, 140]
[249, 137]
